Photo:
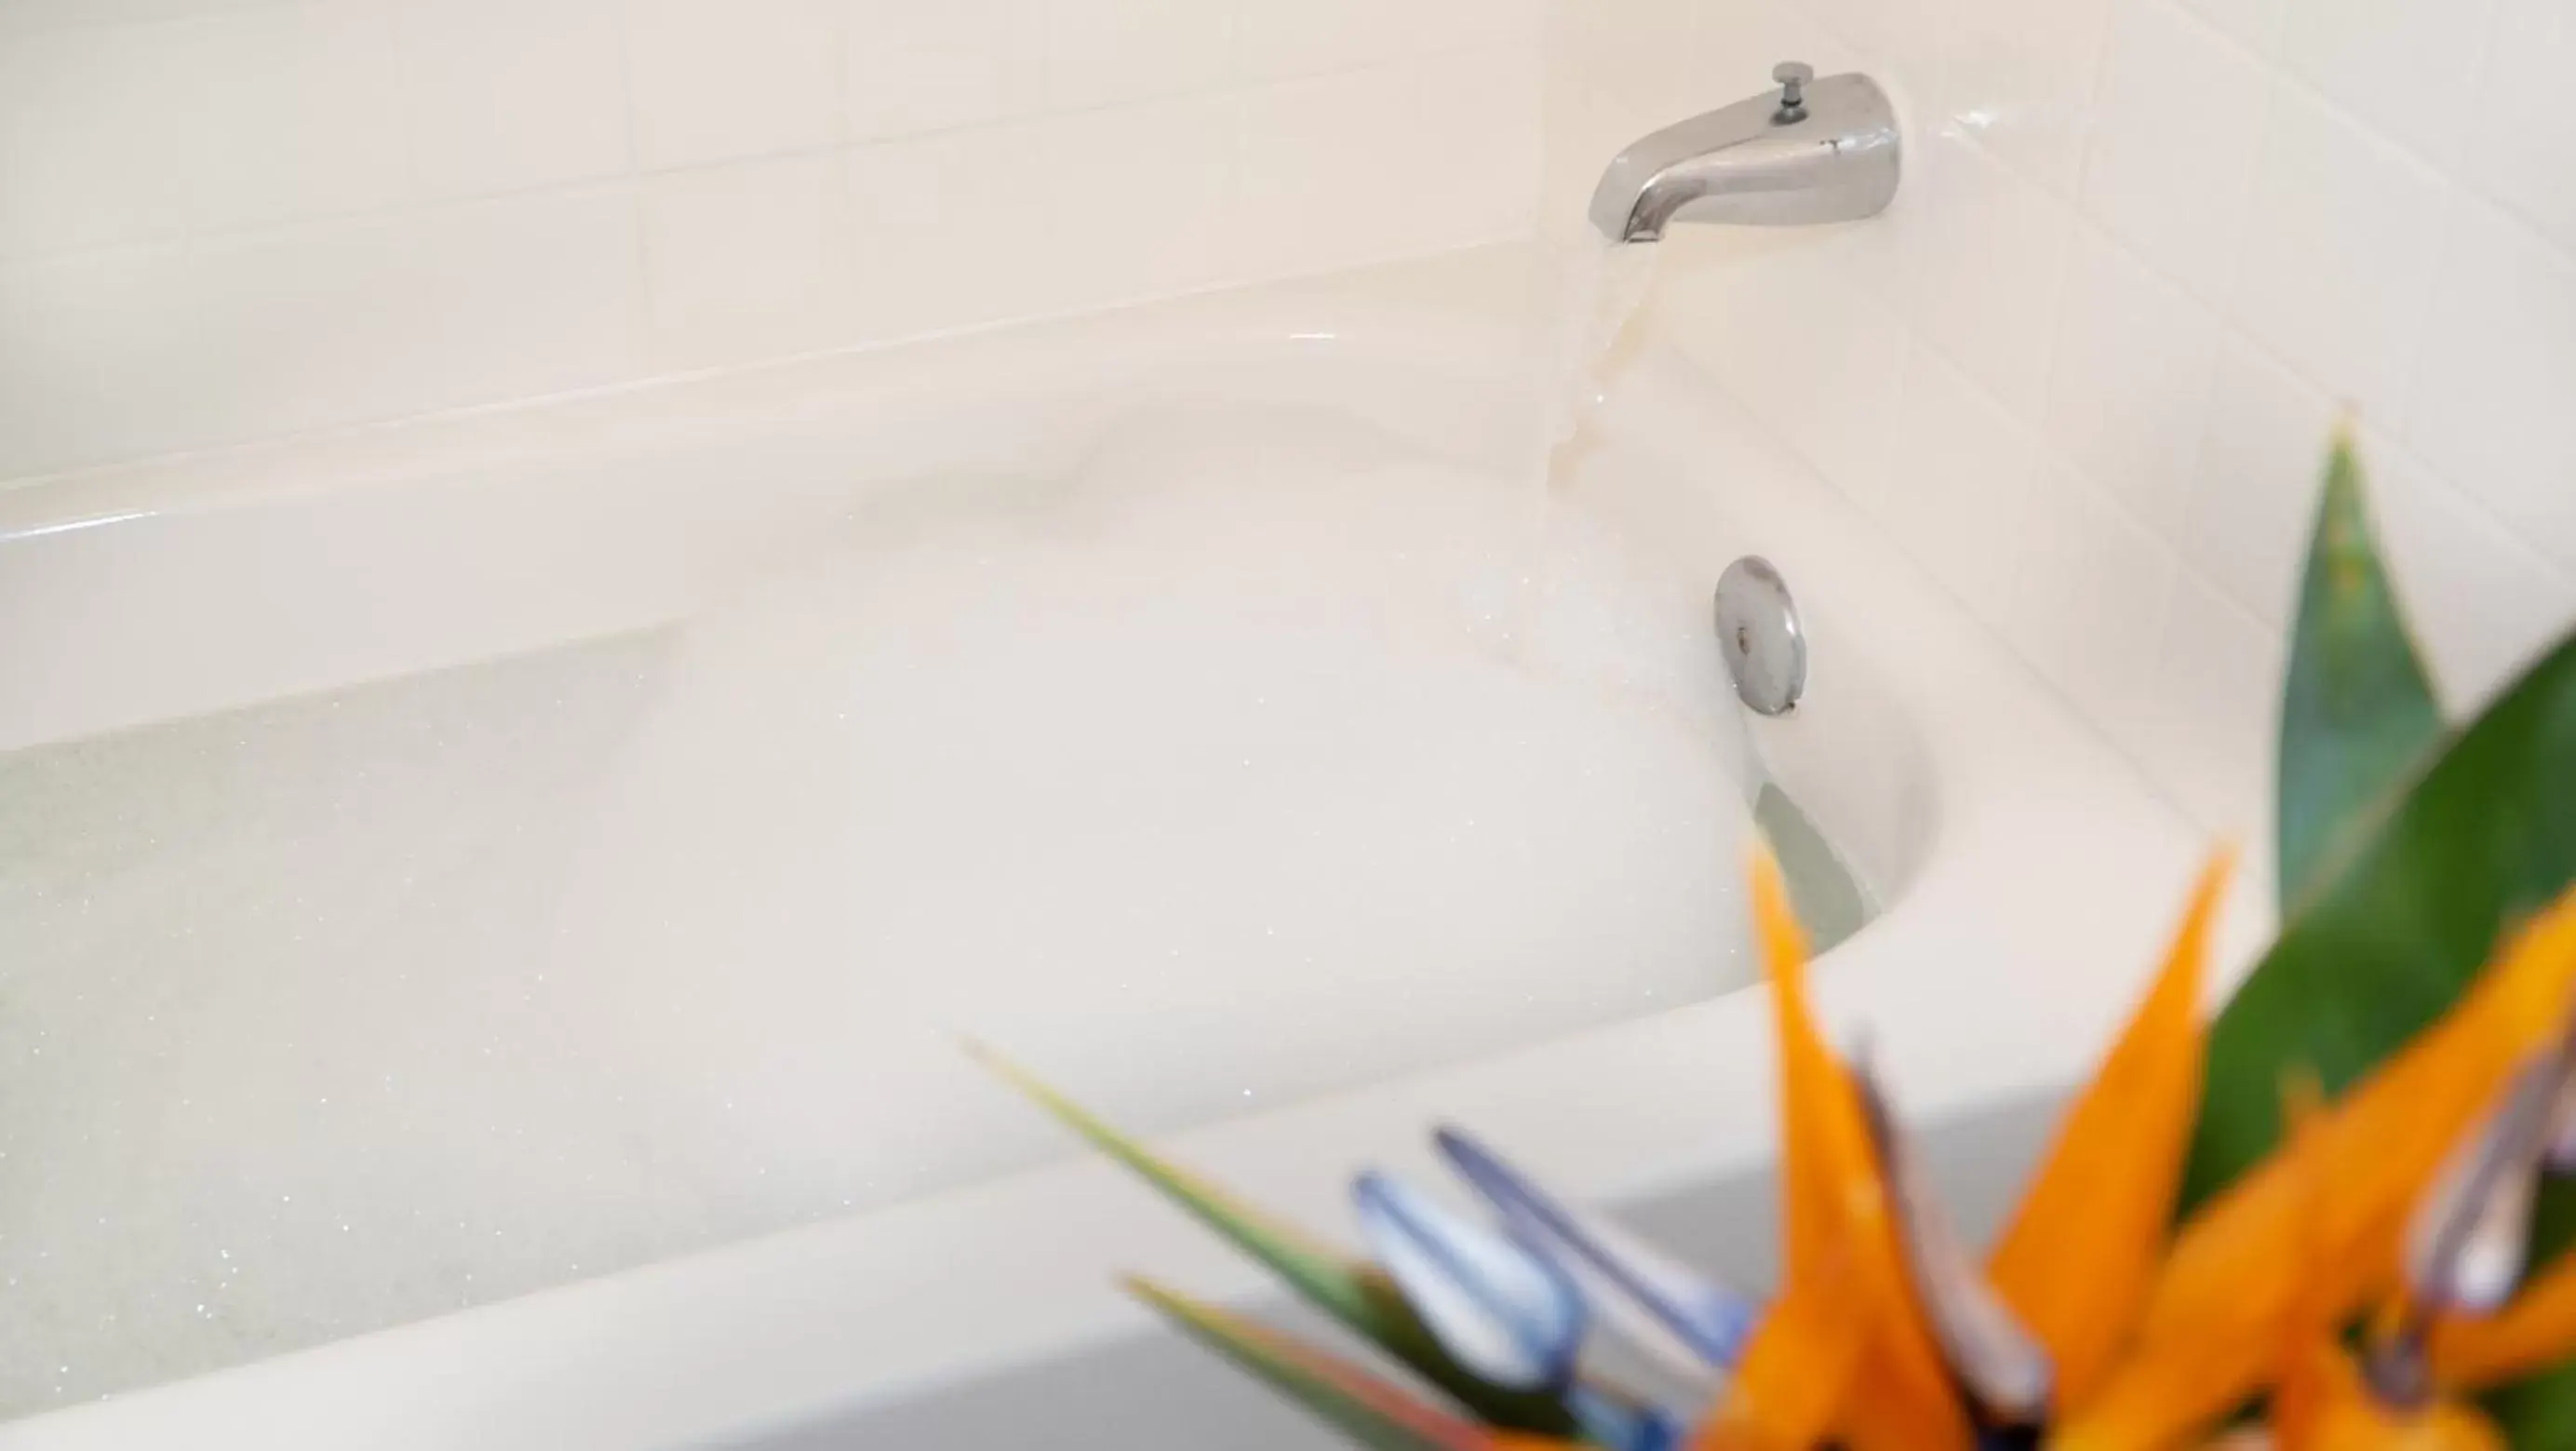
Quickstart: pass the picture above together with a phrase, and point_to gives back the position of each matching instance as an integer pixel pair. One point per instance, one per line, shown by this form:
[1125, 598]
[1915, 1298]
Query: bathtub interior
[467, 878]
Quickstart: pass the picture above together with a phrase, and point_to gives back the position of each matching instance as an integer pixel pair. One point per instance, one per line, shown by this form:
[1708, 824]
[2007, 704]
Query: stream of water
[1591, 289]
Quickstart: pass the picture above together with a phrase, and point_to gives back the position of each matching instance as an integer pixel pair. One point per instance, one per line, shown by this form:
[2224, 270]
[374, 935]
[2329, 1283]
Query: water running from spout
[1594, 289]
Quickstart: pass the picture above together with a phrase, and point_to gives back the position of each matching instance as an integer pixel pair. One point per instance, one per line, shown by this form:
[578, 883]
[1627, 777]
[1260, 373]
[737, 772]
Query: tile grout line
[648, 298]
[634, 170]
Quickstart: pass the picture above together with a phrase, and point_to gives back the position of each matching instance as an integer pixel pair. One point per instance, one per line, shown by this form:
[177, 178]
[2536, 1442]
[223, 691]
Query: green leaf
[2484, 836]
[2382, 946]
[1355, 1294]
[2541, 1411]
[1358, 1405]
[2358, 709]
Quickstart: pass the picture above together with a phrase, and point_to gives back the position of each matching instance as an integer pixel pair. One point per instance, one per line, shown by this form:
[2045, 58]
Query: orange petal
[2441, 1426]
[1819, 1153]
[1797, 1370]
[1794, 1377]
[2378, 1147]
[1835, 1219]
[2317, 1383]
[2156, 1403]
[2216, 1313]
[2345, 1416]
[2076, 1260]
[2316, 1374]
[2535, 1332]
[2325, 1404]
[1902, 1401]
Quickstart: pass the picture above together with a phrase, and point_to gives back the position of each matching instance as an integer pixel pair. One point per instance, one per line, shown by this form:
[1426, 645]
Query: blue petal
[1623, 1425]
[2001, 1365]
[1504, 1313]
[2469, 1237]
[1680, 1316]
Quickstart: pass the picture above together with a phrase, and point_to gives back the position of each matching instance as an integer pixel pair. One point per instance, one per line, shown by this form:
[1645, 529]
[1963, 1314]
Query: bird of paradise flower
[2090, 1325]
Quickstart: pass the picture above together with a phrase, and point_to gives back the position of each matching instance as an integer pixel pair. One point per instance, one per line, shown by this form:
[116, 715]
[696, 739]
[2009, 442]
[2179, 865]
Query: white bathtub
[2026, 873]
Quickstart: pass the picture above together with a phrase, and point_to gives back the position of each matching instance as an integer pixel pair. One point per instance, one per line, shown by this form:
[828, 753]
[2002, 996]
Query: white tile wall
[1328, 177]
[1283, 38]
[1100, 52]
[718, 79]
[1983, 263]
[517, 296]
[2023, 76]
[2385, 59]
[2147, 252]
[2253, 24]
[504, 95]
[2491, 389]
[1959, 482]
[912, 67]
[226, 219]
[2340, 240]
[161, 347]
[941, 235]
[120, 134]
[748, 262]
[1477, 125]
[2253, 481]
[1141, 197]
[2206, 731]
[1440, 25]
[2131, 375]
[2089, 590]
[2521, 154]
[2482, 598]
[2177, 117]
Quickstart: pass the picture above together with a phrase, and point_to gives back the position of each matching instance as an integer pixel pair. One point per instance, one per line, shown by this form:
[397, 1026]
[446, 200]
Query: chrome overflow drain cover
[1757, 628]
